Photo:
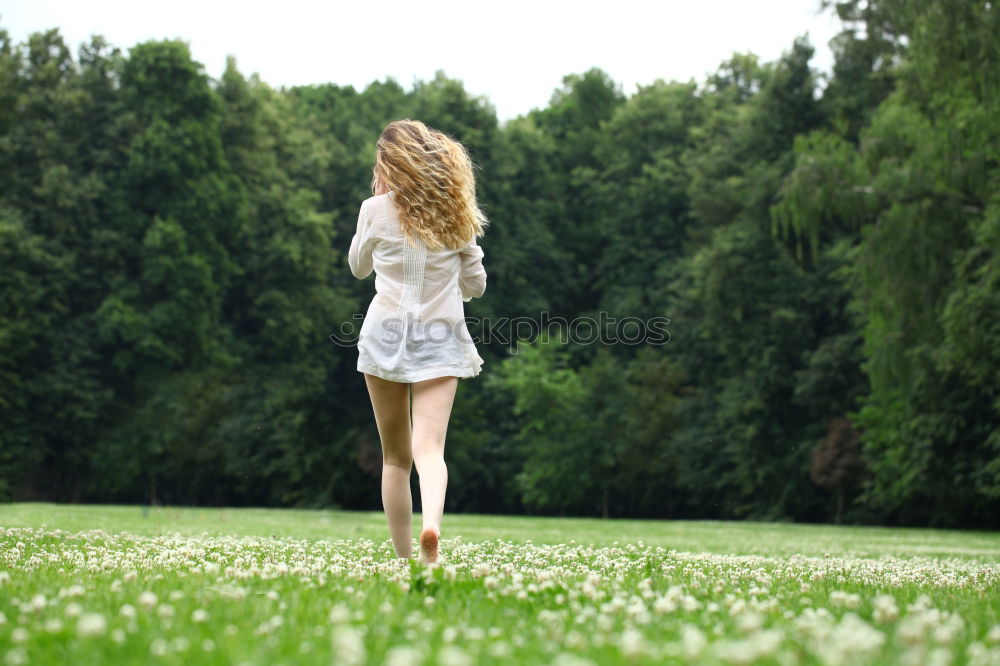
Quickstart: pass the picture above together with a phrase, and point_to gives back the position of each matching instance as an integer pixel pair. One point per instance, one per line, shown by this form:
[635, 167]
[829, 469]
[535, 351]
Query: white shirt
[415, 325]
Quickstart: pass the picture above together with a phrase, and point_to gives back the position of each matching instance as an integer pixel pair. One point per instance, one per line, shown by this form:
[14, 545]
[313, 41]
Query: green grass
[116, 584]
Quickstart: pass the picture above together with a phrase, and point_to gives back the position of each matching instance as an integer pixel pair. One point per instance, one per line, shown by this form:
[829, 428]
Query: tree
[837, 465]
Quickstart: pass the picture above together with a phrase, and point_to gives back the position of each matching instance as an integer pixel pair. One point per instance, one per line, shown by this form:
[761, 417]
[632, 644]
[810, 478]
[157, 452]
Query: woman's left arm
[359, 257]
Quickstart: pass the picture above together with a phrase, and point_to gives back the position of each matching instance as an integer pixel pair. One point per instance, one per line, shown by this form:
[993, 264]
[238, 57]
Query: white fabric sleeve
[472, 281]
[359, 257]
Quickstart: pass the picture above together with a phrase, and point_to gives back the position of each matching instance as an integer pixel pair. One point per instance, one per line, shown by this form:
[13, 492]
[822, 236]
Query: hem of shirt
[465, 372]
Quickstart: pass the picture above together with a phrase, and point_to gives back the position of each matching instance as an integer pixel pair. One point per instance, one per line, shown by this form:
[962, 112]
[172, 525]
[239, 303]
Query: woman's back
[415, 326]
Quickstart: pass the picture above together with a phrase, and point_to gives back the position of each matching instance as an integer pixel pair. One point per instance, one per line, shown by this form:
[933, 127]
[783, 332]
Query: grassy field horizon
[687, 535]
[117, 584]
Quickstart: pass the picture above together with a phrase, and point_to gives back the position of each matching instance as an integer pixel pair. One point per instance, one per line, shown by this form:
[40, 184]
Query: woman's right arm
[472, 280]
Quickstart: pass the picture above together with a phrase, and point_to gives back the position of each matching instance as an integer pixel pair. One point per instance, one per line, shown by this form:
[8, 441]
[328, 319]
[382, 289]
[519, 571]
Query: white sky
[514, 53]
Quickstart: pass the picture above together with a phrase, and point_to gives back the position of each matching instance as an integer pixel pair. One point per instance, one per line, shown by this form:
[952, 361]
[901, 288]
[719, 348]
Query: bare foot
[429, 545]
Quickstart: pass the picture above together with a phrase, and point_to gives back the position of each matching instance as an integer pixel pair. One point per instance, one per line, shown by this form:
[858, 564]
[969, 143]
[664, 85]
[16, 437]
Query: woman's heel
[429, 546]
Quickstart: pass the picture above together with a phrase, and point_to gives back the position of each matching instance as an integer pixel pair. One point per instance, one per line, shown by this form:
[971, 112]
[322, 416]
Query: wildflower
[451, 655]
[91, 624]
[348, 645]
[158, 647]
[147, 600]
[569, 659]
[339, 613]
[632, 642]
[403, 655]
[885, 609]
[16, 657]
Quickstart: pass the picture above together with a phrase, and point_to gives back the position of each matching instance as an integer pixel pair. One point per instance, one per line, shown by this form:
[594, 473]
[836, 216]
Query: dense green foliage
[827, 253]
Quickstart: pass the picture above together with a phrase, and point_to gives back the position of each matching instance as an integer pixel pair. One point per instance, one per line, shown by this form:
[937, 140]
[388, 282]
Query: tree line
[826, 250]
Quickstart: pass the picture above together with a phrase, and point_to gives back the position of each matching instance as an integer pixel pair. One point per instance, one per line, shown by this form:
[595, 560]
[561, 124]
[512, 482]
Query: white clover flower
[499, 649]
[690, 603]
[147, 600]
[403, 655]
[158, 647]
[339, 613]
[852, 639]
[980, 655]
[199, 615]
[19, 635]
[16, 657]
[270, 625]
[632, 642]
[885, 609]
[118, 635]
[948, 629]
[37, 603]
[348, 645]
[750, 622]
[765, 643]
[734, 651]
[452, 655]
[693, 641]
[73, 609]
[845, 599]
[570, 659]
[91, 624]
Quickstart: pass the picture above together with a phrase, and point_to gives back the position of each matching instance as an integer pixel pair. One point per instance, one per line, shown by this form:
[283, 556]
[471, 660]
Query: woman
[418, 233]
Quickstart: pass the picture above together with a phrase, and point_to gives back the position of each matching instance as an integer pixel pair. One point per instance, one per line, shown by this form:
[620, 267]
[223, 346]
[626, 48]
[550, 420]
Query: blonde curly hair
[433, 183]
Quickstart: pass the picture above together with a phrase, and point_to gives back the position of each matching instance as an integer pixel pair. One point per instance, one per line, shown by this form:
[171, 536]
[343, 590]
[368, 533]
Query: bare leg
[432, 403]
[391, 403]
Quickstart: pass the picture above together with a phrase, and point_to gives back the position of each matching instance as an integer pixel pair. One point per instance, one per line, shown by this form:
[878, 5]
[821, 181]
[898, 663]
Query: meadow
[124, 585]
